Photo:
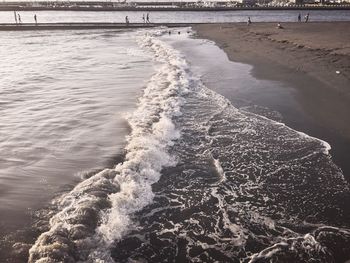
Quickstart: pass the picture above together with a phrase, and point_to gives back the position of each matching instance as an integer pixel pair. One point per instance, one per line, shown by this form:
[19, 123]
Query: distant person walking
[299, 17]
[143, 18]
[35, 19]
[307, 18]
[14, 12]
[19, 19]
[147, 18]
[249, 21]
[127, 20]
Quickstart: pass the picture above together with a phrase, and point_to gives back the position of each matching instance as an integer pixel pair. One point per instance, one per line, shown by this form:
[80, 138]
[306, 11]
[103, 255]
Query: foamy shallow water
[245, 189]
[200, 180]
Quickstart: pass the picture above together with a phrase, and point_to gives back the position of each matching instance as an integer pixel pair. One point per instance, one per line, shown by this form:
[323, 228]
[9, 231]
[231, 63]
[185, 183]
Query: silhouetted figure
[307, 18]
[299, 17]
[127, 20]
[19, 19]
[169, 32]
[249, 21]
[35, 19]
[147, 18]
[143, 18]
[14, 12]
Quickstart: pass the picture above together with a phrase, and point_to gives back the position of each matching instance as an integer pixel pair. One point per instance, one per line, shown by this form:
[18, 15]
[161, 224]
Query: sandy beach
[313, 58]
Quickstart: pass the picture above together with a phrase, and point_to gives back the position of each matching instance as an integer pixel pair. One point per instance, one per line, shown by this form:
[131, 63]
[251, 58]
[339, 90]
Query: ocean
[127, 146]
[175, 17]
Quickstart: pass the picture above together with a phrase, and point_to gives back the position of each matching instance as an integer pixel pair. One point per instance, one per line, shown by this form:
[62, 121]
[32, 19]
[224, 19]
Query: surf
[99, 210]
[201, 180]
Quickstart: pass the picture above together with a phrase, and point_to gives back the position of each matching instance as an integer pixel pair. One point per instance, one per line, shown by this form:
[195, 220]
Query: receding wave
[245, 189]
[235, 186]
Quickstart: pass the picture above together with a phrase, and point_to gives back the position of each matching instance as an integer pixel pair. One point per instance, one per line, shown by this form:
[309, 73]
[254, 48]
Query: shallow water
[245, 189]
[198, 179]
[275, 99]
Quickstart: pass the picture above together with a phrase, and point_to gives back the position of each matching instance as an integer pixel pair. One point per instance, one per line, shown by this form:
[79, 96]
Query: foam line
[99, 210]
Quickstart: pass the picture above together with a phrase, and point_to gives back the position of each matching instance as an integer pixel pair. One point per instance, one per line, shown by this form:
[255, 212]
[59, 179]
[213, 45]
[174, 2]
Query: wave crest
[99, 210]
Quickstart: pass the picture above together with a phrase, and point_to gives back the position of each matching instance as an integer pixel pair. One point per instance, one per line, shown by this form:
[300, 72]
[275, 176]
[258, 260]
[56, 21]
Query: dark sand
[307, 56]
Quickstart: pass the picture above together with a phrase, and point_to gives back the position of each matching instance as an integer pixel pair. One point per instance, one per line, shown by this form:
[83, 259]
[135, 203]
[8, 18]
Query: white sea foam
[98, 211]
[326, 145]
[219, 169]
[224, 103]
[302, 244]
[147, 147]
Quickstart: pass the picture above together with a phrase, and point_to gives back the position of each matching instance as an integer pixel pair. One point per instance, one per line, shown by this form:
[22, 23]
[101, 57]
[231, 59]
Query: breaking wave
[245, 189]
[235, 186]
[99, 210]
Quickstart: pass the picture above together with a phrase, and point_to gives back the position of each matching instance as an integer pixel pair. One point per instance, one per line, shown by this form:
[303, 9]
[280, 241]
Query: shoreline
[306, 57]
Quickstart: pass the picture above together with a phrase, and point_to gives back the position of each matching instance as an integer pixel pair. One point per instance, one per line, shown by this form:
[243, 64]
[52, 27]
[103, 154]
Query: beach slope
[312, 58]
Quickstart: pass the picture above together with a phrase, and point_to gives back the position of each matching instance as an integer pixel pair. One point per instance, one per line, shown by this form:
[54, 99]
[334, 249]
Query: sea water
[64, 101]
[196, 178]
[175, 17]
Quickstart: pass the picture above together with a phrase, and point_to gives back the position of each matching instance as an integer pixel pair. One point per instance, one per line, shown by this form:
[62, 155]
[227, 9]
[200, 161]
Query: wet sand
[313, 59]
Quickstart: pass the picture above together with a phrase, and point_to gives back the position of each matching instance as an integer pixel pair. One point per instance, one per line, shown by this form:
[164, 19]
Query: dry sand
[313, 58]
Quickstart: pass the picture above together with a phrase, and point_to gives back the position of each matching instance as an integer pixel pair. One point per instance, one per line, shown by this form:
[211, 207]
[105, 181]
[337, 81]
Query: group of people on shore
[145, 19]
[306, 19]
[18, 19]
